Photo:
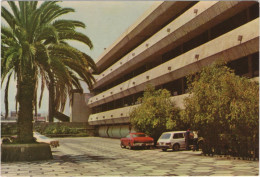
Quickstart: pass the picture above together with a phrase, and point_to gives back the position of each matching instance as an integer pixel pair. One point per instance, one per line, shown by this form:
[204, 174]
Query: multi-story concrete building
[170, 41]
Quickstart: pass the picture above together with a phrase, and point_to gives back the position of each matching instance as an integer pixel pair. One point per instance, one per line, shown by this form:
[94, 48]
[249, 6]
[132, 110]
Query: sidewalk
[96, 156]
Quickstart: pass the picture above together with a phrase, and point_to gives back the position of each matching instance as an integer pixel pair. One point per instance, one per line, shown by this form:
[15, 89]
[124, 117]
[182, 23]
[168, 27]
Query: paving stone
[159, 174]
[161, 171]
[243, 173]
[179, 174]
[200, 174]
[184, 167]
[146, 168]
[221, 175]
[85, 157]
[116, 173]
[201, 170]
[180, 170]
[138, 174]
[242, 168]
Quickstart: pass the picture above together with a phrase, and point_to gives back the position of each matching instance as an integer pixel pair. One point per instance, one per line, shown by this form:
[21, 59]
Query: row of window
[148, 35]
[237, 20]
[247, 66]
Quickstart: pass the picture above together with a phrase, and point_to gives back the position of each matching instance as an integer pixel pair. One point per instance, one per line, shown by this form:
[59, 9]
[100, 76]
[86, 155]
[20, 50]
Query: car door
[179, 138]
[182, 140]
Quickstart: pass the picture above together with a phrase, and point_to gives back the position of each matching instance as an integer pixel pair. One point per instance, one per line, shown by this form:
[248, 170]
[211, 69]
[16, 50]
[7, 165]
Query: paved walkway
[95, 156]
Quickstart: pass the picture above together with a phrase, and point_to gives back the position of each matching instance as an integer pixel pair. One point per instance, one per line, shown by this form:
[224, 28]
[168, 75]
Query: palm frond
[23, 12]
[58, 13]
[90, 62]
[8, 17]
[47, 33]
[14, 8]
[64, 25]
[76, 36]
[33, 5]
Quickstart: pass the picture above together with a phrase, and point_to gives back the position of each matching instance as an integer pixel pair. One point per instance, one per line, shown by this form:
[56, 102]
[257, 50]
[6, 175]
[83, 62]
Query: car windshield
[138, 135]
[165, 136]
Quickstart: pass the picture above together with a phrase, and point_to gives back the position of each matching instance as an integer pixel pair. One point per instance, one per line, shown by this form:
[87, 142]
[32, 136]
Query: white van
[172, 140]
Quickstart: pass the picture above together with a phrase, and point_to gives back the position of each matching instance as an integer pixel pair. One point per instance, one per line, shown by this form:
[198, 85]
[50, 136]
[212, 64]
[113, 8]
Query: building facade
[170, 41]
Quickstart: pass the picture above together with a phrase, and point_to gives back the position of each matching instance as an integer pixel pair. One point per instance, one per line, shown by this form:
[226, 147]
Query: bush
[59, 129]
[156, 114]
[8, 129]
[225, 109]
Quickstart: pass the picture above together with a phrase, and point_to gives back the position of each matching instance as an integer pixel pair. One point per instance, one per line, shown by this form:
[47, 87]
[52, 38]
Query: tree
[223, 105]
[34, 45]
[68, 66]
[156, 114]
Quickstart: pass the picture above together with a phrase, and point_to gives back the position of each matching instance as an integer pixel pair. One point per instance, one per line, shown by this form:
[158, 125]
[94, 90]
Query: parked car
[174, 140]
[136, 140]
[43, 139]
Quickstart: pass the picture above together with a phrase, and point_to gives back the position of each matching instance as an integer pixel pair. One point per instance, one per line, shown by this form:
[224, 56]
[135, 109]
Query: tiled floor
[94, 156]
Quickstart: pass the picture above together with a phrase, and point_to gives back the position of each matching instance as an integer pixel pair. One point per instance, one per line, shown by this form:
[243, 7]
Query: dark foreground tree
[225, 109]
[156, 113]
[33, 44]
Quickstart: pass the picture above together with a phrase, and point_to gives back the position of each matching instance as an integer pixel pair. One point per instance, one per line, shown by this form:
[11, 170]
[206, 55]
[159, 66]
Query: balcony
[121, 115]
[148, 24]
[199, 17]
[235, 44]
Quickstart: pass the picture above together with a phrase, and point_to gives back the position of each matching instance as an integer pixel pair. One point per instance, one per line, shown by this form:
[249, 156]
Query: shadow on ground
[81, 158]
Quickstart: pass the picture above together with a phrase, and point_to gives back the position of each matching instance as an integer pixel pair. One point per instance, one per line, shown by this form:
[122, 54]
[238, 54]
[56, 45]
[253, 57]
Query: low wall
[115, 131]
[25, 152]
[10, 128]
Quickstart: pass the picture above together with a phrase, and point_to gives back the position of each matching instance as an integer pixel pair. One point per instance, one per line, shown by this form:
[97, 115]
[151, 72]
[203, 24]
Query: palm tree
[34, 45]
[67, 70]
[66, 60]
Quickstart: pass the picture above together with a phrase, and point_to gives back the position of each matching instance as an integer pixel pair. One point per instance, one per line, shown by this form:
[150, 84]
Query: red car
[136, 140]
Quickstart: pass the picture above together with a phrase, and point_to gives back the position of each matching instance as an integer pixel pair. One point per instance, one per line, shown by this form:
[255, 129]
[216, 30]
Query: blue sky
[105, 21]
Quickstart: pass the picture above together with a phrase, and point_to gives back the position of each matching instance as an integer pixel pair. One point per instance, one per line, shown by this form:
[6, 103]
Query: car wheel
[176, 147]
[164, 150]
[130, 147]
[200, 144]
[122, 146]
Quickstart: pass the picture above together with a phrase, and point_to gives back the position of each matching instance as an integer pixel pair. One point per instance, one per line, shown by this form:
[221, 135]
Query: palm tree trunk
[51, 102]
[51, 97]
[25, 114]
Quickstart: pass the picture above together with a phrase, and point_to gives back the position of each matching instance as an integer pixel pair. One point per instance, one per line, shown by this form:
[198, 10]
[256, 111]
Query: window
[165, 136]
[138, 135]
[178, 135]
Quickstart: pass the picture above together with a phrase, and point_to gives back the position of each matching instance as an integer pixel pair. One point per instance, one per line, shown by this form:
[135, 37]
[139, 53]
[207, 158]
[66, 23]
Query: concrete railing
[227, 47]
[121, 115]
[199, 17]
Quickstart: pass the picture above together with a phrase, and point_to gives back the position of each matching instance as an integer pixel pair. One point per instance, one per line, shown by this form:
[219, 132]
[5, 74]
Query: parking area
[95, 156]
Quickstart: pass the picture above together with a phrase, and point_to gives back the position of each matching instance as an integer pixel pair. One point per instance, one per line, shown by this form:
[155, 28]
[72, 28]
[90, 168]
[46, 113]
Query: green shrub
[49, 130]
[225, 109]
[156, 114]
